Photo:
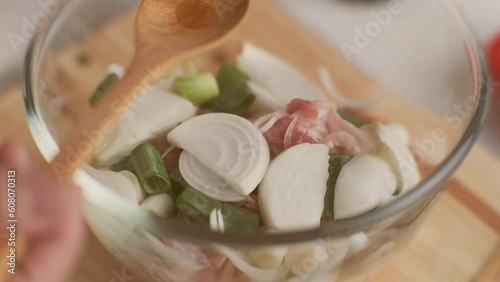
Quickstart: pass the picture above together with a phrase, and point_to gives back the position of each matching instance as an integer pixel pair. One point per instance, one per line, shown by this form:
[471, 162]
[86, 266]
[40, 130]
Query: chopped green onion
[352, 119]
[179, 184]
[148, 165]
[198, 88]
[234, 98]
[337, 162]
[237, 219]
[104, 87]
[245, 103]
[194, 205]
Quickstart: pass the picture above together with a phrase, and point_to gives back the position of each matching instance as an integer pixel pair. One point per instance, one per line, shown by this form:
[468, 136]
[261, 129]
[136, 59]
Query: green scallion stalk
[337, 162]
[103, 88]
[237, 219]
[196, 206]
[149, 168]
[198, 88]
[179, 184]
[234, 98]
[352, 119]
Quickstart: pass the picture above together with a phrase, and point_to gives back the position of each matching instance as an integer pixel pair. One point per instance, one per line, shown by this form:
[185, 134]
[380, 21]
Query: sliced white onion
[361, 185]
[268, 257]
[162, 205]
[259, 274]
[342, 101]
[141, 194]
[291, 195]
[231, 146]
[274, 81]
[205, 180]
[118, 146]
[400, 131]
[122, 185]
[399, 157]
[157, 114]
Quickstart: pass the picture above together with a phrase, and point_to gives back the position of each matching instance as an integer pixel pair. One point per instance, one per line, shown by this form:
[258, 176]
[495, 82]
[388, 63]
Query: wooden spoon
[166, 33]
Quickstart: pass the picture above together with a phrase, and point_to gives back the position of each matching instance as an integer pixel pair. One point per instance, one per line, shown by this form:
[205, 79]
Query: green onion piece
[148, 166]
[337, 162]
[352, 119]
[194, 205]
[234, 98]
[104, 87]
[198, 88]
[237, 219]
[179, 184]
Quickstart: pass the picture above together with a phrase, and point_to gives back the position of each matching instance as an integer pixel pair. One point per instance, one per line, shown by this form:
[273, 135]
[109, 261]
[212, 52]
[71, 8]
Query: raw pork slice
[313, 122]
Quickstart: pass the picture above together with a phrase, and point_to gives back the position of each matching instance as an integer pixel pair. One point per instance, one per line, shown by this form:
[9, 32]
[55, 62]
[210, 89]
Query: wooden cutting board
[460, 240]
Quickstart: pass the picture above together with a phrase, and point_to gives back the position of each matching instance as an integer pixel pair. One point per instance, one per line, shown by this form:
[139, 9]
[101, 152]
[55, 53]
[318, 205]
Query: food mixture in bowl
[255, 147]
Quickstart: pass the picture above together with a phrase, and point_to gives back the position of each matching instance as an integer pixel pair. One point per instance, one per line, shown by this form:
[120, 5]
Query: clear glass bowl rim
[177, 230]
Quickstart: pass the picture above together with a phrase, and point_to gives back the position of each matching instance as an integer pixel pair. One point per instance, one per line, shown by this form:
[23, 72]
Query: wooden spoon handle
[89, 133]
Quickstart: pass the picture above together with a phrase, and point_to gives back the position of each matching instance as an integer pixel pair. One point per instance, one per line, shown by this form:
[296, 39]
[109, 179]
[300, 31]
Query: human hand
[49, 231]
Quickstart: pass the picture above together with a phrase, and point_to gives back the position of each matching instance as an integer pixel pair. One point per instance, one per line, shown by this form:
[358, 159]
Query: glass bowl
[421, 51]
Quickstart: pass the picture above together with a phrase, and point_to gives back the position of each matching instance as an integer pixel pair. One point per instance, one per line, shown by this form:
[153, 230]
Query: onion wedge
[268, 257]
[205, 180]
[231, 146]
[401, 132]
[141, 194]
[161, 204]
[397, 154]
[240, 261]
[157, 114]
[362, 184]
[291, 195]
[123, 184]
[274, 81]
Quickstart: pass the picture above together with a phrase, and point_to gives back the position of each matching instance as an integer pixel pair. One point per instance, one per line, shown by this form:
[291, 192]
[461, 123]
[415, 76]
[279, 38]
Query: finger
[58, 244]
[14, 155]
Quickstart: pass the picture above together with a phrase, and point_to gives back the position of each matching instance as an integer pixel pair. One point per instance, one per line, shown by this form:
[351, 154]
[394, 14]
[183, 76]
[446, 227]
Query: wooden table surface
[459, 241]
